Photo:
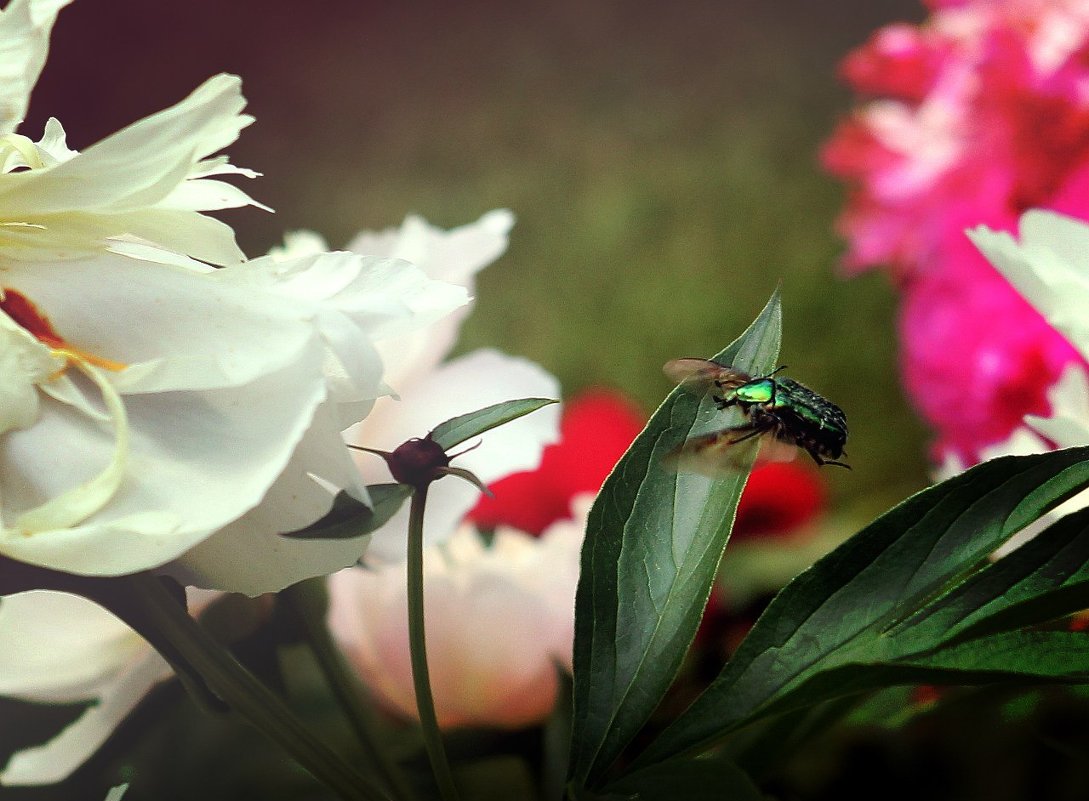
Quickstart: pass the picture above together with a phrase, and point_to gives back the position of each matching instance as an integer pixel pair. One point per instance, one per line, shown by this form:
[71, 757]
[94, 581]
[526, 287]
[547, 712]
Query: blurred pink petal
[499, 617]
[972, 117]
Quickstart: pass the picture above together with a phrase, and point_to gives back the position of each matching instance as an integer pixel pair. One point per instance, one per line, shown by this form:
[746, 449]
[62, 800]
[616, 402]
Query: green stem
[166, 624]
[304, 601]
[421, 680]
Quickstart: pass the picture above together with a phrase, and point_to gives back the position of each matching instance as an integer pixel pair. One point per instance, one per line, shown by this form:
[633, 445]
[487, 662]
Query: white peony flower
[499, 622]
[151, 400]
[145, 185]
[146, 419]
[345, 301]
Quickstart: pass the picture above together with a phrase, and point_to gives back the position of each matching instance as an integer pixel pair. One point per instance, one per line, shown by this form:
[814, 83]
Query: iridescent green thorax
[761, 390]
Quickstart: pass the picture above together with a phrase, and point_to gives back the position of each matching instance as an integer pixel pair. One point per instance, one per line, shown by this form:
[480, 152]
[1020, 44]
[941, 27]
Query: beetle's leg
[751, 429]
[722, 402]
[822, 462]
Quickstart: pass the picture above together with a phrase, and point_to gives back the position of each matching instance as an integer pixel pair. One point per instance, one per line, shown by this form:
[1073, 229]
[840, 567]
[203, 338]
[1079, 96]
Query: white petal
[272, 562]
[139, 165]
[25, 26]
[24, 363]
[61, 648]
[198, 334]
[303, 243]
[57, 759]
[54, 143]
[463, 385]
[132, 171]
[385, 297]
[1049, 267]
[198, 461]
[1068, 425]
[75, 504]
[455, 256]
[354, 299]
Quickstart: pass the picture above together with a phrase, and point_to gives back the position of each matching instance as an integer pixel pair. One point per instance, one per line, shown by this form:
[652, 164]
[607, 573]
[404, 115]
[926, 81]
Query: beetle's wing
[727, 451]
[713, 454]
[699, 375]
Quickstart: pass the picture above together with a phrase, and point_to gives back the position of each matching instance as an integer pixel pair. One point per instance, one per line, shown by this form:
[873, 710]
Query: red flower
[596, 428]
[779, 498]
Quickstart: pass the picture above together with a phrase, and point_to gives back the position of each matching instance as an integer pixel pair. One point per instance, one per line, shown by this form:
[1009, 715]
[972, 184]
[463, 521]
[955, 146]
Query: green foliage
[349, 518]
[913, 597]
[458, 429]
[899, 603]
[698, 780]
[654, 539]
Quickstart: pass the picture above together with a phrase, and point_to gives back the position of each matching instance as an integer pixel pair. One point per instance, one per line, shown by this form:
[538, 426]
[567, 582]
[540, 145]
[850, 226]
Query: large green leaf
[912, 597]
[654, 539]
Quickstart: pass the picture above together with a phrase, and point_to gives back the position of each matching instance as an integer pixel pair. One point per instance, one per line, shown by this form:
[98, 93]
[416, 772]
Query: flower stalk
[421, 679]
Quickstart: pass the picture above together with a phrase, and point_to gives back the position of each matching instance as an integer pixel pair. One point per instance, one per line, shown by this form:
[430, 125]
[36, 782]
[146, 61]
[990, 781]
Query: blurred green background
[661, 160]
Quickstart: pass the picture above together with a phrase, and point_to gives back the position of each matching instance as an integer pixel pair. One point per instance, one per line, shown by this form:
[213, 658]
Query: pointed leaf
[458, 429]
[899, 602]
[349, 518]
[1040, 581]
[654, 539]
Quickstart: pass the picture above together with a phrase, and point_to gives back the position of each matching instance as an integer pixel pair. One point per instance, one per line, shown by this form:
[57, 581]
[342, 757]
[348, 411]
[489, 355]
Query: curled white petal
[25, 363]
[75, 505]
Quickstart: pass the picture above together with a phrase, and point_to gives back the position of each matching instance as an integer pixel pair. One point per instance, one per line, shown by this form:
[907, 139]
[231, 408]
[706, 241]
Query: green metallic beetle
[780, 408]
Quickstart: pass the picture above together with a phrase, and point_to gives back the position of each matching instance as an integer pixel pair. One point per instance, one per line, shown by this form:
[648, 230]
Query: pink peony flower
[499, 627]
[975, 116]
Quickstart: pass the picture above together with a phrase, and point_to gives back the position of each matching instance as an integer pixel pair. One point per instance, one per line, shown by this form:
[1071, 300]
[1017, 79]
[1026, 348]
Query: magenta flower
[974, 116]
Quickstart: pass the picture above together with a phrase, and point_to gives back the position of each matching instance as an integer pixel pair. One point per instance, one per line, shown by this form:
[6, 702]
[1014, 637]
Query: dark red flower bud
[417, 462]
